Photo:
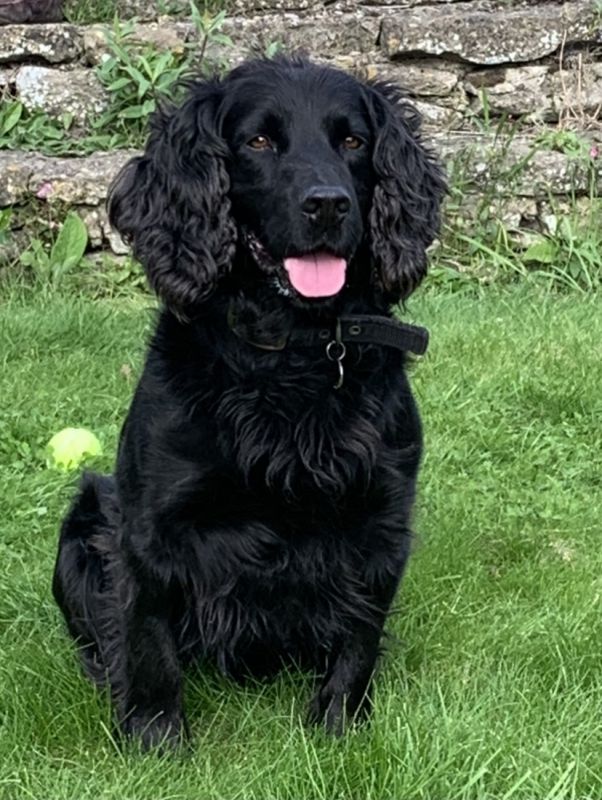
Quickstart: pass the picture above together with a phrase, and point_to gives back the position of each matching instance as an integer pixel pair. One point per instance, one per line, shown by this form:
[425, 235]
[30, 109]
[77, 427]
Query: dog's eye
[260, 143]
[352, 142]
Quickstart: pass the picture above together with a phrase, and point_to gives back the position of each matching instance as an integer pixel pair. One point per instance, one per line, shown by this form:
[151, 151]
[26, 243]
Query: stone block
[420, 77]
[551, 214]
[100, 232]
[115, 242]
[488, 164]
[485, 33]
[404, 3]
[54, 43]
[7, 78]
[321, 33]
[247, 6]
[496, 165]
[56, 92]
[93, 218]
[539, 93]
[577, 92]
[515, 91]
[425, 78]
[514, 212]
[76, 181]
[166, 34]
[436, 116]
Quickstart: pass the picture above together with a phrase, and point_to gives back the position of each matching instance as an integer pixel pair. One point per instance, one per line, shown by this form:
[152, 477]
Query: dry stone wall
[467, 65]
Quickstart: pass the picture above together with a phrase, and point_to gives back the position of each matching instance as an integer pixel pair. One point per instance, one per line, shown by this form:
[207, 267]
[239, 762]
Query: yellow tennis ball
[68, 448]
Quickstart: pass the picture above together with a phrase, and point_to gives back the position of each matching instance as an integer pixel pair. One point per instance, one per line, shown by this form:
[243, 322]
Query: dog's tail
[82, 581]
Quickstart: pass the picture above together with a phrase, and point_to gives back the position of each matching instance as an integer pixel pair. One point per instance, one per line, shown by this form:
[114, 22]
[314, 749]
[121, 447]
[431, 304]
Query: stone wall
[495, 80]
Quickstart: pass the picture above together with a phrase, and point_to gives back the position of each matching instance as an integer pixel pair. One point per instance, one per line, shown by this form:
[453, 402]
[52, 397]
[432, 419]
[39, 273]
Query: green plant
[171, 7]
[10, 114]
[6, 215]
[571, 255]
[479, 243]
[50, 265]
[84, 12]
[475, 242]
[273, 49]
[107, 276]
[137, 75]
[503, 126]
[22, 129]
[34, 130]
[43, 246]
[208, 26]
[449, 278]
[182, 7]
[564, 141]
[486, 253]
[485, 109]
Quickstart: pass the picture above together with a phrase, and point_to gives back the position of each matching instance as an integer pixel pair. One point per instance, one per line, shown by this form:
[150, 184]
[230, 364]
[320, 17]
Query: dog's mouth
[315, 274]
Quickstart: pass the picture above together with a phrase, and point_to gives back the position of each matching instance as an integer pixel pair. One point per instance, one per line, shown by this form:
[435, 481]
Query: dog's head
[285, 172]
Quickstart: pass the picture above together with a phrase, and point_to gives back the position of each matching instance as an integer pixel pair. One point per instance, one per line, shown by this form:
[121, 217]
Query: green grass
[86, 12]
[492, 687]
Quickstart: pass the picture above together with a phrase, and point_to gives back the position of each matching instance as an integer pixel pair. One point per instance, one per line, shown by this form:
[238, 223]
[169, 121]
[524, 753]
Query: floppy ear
[405, 214]
[171, 204]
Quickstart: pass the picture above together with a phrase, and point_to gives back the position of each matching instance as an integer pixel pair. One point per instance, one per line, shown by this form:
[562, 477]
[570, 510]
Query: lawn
[492, 685]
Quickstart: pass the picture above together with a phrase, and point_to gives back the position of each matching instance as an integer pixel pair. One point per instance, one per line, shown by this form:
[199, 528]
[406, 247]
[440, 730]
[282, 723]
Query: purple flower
[45, 190]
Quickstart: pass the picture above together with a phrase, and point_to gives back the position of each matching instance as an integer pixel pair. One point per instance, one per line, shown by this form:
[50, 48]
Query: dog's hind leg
[81, 582]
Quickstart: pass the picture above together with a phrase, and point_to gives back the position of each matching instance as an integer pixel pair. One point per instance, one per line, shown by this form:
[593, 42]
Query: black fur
[258, 516]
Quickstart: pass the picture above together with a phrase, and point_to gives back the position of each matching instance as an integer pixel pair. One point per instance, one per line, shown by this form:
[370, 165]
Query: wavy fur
[405, 214]
[172, 203]
[257, 516]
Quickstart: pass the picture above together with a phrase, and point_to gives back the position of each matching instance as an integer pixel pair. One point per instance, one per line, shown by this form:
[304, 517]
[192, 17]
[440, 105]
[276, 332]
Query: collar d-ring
[336, 351]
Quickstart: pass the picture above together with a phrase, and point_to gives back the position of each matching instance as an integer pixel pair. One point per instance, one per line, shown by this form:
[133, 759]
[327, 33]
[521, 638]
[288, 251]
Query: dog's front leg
[344, 694]
[150, 695]
[345, 691]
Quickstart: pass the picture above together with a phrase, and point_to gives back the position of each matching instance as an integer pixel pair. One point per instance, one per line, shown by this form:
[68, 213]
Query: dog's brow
[248, 118]
[342, 124]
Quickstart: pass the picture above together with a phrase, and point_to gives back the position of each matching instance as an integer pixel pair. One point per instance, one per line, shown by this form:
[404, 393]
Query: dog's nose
[326, 204]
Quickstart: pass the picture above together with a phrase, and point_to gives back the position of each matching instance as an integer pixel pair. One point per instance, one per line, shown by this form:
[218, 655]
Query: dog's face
[287, 172]
[301, 174]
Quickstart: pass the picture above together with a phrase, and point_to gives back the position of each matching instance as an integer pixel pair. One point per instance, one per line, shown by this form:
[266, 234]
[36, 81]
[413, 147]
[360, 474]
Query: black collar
[352, 329]
[365, 329]
[355, 328]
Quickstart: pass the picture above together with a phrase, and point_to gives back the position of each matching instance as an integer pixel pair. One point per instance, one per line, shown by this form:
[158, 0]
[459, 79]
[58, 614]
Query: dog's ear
[405, 214]
[171, 204]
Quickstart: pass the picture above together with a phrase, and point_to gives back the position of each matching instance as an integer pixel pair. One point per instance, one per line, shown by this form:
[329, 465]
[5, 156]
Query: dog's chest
[264, 592]
[302, 432]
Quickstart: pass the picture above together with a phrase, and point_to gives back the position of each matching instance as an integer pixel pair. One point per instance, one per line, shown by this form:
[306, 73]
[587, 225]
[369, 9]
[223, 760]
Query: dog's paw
[329, 711]
[335, 710]
[163, 730]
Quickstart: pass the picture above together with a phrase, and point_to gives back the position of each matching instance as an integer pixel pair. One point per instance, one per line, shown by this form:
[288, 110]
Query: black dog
[261, 506]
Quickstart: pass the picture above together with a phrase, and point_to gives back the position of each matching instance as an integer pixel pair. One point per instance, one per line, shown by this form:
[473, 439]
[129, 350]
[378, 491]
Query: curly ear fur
[172, 202]
[405, 214]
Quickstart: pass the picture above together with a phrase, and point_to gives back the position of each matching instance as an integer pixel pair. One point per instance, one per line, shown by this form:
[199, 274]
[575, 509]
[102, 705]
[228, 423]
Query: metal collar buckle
[336, 351]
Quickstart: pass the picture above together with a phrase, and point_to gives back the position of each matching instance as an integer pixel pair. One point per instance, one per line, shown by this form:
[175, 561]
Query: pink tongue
[316, 275]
